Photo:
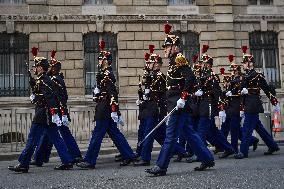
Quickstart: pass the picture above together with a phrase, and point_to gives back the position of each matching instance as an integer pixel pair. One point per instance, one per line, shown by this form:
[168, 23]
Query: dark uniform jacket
[233, 103]
[108, 96]
[254, 82]
[44, 99]
[155, 105]
[61, 93]
[209, 84]
[179, 79]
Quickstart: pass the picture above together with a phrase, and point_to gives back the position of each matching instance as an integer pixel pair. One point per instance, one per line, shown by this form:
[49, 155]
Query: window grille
[189, 44]
[99, 2]
[264, 47]
[14, 52]
[91, 53]
[181, 2]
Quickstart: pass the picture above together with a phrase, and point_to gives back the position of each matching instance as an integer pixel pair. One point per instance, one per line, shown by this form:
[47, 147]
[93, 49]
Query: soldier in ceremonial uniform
[180, 85]
[46, 119]
[208, 93]
[44, 147]
[152, 107]
[107, 114]
[152, 104]
[232, 104]
[233, 107]
[196, 68]
[252, 83]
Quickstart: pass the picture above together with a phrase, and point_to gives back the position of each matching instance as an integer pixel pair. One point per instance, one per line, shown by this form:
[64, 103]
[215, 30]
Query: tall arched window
[189, 44]
[14, 52]
[91, 53]
[264, 47]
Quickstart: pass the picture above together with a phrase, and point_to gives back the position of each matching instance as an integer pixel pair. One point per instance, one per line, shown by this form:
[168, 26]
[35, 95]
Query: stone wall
[61, 24]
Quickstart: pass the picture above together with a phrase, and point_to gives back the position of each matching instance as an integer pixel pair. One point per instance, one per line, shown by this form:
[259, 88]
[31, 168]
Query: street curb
[106, 151]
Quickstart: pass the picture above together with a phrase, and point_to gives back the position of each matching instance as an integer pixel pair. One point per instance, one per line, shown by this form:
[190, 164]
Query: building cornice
[105, 18]
[257, 18]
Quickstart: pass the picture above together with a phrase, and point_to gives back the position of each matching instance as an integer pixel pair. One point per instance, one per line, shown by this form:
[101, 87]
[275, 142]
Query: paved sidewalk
[106, 148]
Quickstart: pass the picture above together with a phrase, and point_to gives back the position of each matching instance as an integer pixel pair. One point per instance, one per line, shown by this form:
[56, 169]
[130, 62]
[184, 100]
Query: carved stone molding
[10, 26]
[257, 18]
[105, 18]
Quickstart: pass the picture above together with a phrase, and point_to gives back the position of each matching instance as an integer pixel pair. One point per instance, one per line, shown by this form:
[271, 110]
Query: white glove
[32, 97]
[242, 114]
[199, 92]
[96, 91]
[114, 116]
[229, 93]
[244, 91]
[147, 91]
[138, 102]
[55, 119]
[65, 120]
[222, 116]
[277, 108]
[180, 103]
[121, 121]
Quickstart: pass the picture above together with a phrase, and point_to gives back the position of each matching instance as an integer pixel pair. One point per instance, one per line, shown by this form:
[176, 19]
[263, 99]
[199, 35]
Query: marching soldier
[107, 114]
[46, 119]
[194, 116]
[180, 84]
[208, 93]
[232, 102]
[152, 107]
[233, 107]
[45, 146]
[252, 83]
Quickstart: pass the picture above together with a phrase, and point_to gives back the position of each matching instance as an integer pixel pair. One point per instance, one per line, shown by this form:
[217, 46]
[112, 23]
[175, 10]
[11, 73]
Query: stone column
[224, 32]
[281, 52]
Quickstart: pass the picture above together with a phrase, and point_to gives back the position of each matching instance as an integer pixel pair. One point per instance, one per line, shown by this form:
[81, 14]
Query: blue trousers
[147, 145]
[36, 132]
[207, 130]
[110, 127]
[44, 147]
[252, 122]
[201, 151]
[146, 125]
[230, 125]
[182, 137]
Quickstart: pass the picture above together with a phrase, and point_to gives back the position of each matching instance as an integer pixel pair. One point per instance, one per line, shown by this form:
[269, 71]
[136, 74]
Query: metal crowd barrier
[16, 122]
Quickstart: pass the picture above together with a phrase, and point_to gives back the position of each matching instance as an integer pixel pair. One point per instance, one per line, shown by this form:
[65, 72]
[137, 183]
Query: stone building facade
[72, 27]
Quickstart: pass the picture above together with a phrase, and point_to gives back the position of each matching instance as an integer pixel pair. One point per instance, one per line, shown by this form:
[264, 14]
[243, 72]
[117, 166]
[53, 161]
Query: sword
[155, 128]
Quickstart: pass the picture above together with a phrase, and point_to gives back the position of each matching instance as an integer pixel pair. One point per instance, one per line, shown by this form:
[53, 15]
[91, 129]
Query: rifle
[32, 81]
[140, 90]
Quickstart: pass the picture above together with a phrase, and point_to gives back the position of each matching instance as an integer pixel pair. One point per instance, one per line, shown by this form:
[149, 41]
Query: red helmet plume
[222, 71]
[53, 52]
[147, 56]
[34, 51]
[194, 58]
[167, 28]
[102, 44]
[231, 58]
[151, 48]
[205, 48]
[244, 49]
